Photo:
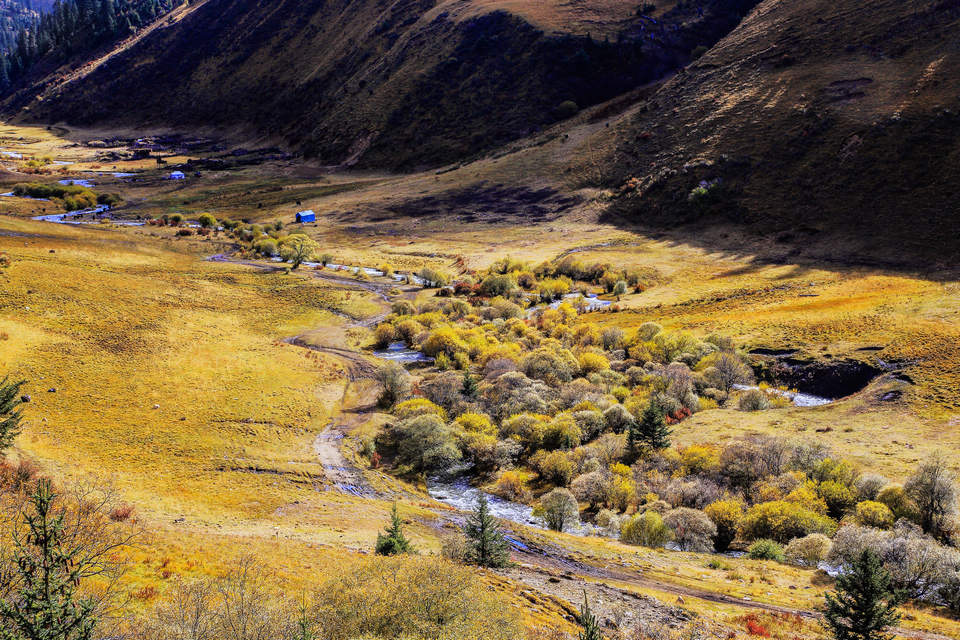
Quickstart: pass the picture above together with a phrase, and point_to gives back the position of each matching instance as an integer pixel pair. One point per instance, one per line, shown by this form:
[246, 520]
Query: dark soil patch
[825, 379]
[763, 351]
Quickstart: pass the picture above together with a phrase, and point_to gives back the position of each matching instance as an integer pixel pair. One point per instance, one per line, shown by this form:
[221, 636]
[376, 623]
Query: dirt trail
[356, 366]
[343, 475]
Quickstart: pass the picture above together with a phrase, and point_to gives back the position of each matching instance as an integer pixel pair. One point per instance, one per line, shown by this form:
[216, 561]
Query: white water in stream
[798, 399]
[458, 493]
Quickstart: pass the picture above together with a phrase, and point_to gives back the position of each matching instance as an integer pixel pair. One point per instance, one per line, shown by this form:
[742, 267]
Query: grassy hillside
[812, 122]
[401, 84]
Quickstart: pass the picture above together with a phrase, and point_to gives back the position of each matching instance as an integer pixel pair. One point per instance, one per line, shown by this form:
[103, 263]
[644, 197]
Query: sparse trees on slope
[395, 382]
[693, 530]
[559, 509]
[423, 442]
[728, 371]
[864, 605]
[486, 545]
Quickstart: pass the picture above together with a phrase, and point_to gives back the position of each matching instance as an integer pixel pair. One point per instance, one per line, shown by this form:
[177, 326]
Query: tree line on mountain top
[73, 27]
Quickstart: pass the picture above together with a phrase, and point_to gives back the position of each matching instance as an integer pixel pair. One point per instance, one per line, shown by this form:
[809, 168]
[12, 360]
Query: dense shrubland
[554, 410]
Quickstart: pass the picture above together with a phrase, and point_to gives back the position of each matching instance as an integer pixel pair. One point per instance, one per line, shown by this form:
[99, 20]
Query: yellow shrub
[726, 515]
[476, 423]
[620, 492]
[699, 458]
[511, 485]
[620, 469]
[783, 521]
[706, 404]
[430, 319]
[592, 363]
[443, 339]
[528, 428]
[587, 334]
[874, 514]
[806, 495]
[384, 334]
[418, 407]
[409, 329]
[412, 597]
[504, 350]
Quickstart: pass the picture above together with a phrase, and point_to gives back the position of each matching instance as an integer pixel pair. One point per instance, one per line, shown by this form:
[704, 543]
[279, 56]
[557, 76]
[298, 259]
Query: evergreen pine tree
[469, 385]
[486, 545]
[392, 541]
[45, 605]
[10, 413]
[588, 622]
[864, 604]
[651, 430]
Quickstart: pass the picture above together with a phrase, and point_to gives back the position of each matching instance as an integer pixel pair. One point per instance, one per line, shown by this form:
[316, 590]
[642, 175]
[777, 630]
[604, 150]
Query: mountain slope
[401, 84]
[821, 125]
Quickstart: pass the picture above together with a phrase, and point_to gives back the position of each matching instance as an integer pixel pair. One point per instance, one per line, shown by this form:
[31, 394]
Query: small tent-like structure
[306, 216]
[178, 175]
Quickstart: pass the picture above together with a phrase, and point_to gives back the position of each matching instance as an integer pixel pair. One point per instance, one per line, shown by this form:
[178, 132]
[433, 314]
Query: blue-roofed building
[306, 216]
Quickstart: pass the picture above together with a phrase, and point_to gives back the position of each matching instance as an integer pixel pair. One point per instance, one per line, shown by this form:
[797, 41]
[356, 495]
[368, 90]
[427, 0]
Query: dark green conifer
[45, 604]
[393, 542]
[864, 604]
[469, 385]
[650, 432]
[10, 412]
[654, 432]
[486, 545]
[590, 628]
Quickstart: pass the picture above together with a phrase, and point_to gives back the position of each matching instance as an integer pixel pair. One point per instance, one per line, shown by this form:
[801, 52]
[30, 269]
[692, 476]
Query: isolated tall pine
[590, 628]
[393, 542]
[864, 605]
[486, 545]
[45, 605]
[10, 413]
[650, 431]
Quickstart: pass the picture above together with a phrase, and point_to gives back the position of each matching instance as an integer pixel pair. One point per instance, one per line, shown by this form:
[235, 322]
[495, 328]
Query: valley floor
[227, 399]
